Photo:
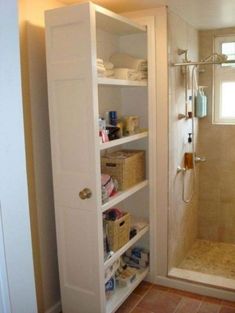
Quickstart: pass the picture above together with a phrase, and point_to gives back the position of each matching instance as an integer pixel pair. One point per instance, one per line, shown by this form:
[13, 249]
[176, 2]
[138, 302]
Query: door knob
[85, 194]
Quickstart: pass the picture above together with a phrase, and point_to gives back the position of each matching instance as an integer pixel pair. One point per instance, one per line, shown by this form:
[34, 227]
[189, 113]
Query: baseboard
[55, 308]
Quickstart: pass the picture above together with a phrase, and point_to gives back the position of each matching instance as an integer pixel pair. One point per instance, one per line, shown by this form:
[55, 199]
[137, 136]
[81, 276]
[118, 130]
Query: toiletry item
[113, 118]
[120, 126]
[201, 103]
[190, 137]
[188, 160]
[131, 125]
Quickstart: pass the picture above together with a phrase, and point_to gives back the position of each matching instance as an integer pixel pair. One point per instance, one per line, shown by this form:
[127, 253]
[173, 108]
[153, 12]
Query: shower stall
[201, 215]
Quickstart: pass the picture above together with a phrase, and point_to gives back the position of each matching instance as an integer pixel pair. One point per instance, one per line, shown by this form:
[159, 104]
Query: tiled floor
[215, 258]
[148, 298]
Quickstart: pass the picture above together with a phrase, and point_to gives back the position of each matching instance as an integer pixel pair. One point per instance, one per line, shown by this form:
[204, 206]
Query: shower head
[181, 51]
[185, 52]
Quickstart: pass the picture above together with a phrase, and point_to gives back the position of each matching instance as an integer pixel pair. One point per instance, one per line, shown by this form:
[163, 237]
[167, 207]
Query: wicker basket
[118, 231]
[127, 166]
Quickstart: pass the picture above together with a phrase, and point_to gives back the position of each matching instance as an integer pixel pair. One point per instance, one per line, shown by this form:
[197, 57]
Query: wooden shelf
[123, 249]
[121, 294]
[121, 82]
[116, 24]
[123, 140]
[122, 195]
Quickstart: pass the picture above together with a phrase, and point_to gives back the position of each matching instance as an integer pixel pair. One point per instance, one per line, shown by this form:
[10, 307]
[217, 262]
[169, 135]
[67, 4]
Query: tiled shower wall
[217, 176]
[182, 217]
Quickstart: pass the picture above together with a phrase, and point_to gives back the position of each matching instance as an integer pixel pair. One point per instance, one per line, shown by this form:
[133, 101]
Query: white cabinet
[75, 36]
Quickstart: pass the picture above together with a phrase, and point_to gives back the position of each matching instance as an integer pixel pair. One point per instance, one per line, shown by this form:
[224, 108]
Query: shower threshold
[209, 263]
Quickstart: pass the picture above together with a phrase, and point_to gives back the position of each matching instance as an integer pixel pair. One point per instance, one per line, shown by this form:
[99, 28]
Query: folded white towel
[124, 60]
[109, 73]
[125, 73]
[99, 61]
[100, 68]
[108, 65]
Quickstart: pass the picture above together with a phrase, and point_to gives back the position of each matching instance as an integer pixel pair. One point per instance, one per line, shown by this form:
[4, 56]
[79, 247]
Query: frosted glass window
[228, 100]
[228, 48]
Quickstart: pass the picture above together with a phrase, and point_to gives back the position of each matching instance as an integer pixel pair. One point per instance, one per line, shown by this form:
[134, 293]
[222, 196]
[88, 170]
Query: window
[224, 82]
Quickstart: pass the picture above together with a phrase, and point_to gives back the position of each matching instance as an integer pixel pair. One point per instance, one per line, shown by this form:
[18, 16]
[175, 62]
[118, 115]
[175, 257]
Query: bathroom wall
[182, 216]
[36, 123]
[217, 175]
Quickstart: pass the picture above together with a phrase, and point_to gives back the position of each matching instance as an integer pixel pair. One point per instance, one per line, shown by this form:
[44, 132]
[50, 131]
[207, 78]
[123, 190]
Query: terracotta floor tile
[212, 300]
[129, 304]
[186, 294]
[139, 310]
[227, 309]
[142, 288]
[207, 307]
[159, 301]
[229, 303]
[159, 287]
[187, 305]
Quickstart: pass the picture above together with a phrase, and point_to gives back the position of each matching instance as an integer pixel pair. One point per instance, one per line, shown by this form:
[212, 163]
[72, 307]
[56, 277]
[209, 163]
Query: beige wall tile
[182, 217]
[217, 175]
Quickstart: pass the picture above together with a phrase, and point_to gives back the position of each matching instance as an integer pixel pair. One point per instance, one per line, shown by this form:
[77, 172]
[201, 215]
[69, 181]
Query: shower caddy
[75, 36]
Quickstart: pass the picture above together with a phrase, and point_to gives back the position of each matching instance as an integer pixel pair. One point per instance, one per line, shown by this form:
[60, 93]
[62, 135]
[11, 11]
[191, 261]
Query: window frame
[221, 74]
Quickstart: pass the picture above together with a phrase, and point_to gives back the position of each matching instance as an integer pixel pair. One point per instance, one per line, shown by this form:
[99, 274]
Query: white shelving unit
[75, 37]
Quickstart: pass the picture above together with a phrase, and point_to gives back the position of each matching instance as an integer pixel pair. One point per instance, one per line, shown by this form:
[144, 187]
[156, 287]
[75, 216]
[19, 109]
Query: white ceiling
[203, 14]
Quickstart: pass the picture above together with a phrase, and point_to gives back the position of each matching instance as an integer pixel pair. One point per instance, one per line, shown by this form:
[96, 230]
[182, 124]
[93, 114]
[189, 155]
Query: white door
[74, 139]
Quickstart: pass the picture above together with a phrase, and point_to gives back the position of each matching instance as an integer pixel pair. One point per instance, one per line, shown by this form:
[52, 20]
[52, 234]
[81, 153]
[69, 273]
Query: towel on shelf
[99, 61]
[100, 67]
[108, 65]
[109, 73]
[124, 60]
[126, 74]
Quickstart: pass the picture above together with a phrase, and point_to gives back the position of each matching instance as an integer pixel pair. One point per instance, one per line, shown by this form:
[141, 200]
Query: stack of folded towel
[123, 66]
[128, 67]
[100, 67]
[104, 69]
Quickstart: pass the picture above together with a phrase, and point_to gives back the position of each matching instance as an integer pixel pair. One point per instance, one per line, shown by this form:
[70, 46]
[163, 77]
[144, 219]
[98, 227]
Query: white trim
[208, 279]
[55, 308]
[195, 288]
[158, 218]
[19, 271]
[4, 287]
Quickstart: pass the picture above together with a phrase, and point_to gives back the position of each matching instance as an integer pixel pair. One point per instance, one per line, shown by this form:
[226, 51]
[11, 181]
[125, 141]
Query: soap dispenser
[201, 103]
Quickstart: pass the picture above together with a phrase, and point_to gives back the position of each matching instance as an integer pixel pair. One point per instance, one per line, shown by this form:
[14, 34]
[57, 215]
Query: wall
[182, 217]
[17, 286]
[38, 151]
[217, 175]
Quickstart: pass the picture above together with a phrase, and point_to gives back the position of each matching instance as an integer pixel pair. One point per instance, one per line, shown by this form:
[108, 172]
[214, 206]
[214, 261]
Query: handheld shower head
[185, 52]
